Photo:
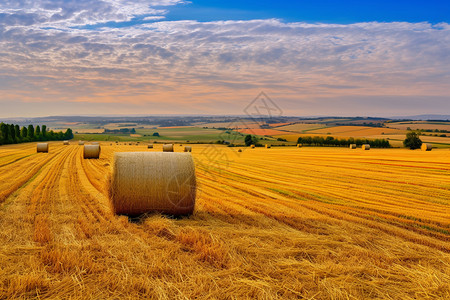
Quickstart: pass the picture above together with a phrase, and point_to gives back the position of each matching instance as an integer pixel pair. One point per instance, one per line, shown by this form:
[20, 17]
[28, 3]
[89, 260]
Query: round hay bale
[168, 148]
[366, 147]
[81, 143]
[146, 182]
[187, 149]
[352, 146]
[65, 143]
[150, 146]
[299, 145]
[42, 148]
[268, 146]
[426, 147]
[92, 151]
[240, 150]
[252, 146]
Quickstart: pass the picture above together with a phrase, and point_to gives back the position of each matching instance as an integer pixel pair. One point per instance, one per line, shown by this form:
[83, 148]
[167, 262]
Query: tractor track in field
[26, 176]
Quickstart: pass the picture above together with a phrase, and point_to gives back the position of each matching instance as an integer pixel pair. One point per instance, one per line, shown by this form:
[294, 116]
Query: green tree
[38, 131]
[412, 140]
[44, 130]
[24, 133]
[248, 140]
[17, 129]
[12, 133]
[156, 134]
[68, 135]
[31, 132]
[5, 133]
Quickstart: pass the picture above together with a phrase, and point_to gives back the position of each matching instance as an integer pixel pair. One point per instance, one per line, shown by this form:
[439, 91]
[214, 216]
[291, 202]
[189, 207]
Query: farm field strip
[280, 223]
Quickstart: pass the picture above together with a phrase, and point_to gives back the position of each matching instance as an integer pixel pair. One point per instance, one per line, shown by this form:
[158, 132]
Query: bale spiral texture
[145, 182]
[168, 148]
[92, 151]
[352, 146]
[187, 149]
[366, 147]
[42, 147]
[427, 147]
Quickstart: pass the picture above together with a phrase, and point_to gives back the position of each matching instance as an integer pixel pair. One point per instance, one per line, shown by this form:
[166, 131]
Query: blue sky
[323, 57]
[327, 11]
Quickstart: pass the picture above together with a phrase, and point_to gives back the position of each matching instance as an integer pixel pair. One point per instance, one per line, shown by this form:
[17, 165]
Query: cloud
[46, 55]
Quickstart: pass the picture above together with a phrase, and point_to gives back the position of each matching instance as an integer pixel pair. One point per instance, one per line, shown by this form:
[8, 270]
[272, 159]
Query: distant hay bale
[240, 150]
[352, 146]
[252, 146]
[146, 182]
[81, 143]
[150, 146]
[299, 145]
[66, 143]
[268, 146]
[129, 144]
[168, 148]
[187, 149]
[366, 147]
[91, 151]
[42, 147]
[427, 147]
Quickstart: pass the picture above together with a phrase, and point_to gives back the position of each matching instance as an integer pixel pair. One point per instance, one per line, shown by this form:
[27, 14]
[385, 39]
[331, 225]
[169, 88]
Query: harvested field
[320, 223]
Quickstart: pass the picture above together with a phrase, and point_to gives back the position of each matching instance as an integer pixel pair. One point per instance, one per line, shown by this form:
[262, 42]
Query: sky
[323, 57]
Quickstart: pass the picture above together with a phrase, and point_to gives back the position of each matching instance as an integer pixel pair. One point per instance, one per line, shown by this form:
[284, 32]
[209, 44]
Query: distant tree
[4, 132]
[156, 134]
[44, 130]
[248, 140]
[31, 132]
[412, 140]
[133, 131]
[38, 131]
[24, 133]
[18, 135]
[12, 133]
[68, 134]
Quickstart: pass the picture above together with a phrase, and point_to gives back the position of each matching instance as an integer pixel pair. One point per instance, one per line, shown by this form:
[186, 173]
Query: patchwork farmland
[285, 222]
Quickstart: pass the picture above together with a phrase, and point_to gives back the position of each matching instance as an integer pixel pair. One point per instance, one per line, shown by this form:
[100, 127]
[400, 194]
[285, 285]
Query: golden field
[286, 223]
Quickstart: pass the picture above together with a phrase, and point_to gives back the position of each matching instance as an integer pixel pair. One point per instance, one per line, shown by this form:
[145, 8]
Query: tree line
[331, 141]
[13, 134]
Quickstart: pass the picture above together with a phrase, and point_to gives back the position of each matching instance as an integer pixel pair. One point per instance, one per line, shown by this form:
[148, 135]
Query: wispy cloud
[212, 67]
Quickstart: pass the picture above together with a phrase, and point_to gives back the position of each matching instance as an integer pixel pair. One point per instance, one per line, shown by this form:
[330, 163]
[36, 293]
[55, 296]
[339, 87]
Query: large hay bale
[168, 148]
[92, 151]
[352, 146]
[145, 182]
[187, 149]
[366, 147]
[66, 143]
[81, 143]
[427, 147]
[150, 146]
[42, 148]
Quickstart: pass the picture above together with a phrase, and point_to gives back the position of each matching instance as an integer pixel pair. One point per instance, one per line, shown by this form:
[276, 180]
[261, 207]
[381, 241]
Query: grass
[280, 223]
